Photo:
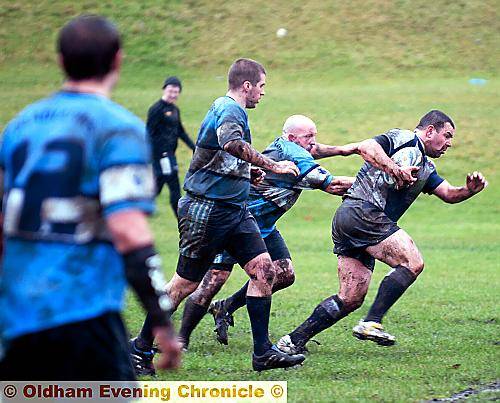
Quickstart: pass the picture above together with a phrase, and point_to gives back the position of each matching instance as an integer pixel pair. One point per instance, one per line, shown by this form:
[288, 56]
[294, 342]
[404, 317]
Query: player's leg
[354, 279]
[248, 248]
[400, 252]
[202, 229]
[285, 276]
[172, 182]
[197, 304]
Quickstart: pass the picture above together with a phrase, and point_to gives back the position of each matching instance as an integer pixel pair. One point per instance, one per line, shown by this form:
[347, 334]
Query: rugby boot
[286, 345]
[373, 331]
[142, 360]
[274, 358]
[222, 320]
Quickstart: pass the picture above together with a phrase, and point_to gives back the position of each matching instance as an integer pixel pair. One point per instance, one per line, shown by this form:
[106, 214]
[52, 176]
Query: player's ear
[117, 61]
[247, 85]
[429, 130]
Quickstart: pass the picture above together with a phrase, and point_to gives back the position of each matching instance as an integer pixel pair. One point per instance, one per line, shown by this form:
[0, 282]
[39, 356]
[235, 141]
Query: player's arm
[340, 185]
[230, 135]
[324, 150]
[373, 153]
[474, 183]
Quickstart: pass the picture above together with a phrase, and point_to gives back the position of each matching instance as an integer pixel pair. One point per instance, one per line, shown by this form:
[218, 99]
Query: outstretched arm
[243, 150]
[324, 150]
[474, 183]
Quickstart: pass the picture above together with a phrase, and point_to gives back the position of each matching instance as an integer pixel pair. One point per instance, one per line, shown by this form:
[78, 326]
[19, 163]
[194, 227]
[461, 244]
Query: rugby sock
[145, 339]
[391, 288]
[259, 309]
[192, 315]
[237, 300]
[326, 314]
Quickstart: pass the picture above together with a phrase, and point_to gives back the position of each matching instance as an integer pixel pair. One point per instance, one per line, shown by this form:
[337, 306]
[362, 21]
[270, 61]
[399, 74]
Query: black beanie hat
[172, 81]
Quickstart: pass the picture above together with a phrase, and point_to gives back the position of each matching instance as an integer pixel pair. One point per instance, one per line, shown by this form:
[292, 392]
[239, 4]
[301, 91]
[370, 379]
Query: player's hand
[170, 347]
[340, 185]
[406, 176]
[257, 175]
[285, 167]
[476, 182]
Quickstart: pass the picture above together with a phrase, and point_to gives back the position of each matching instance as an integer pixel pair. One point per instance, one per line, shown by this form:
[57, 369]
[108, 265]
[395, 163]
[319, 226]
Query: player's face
[171, 93]
[255, 92]
[440, 140]
[304, 136]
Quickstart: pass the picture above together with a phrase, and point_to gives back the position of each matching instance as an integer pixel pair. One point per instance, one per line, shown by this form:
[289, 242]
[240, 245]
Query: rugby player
[269, 199]
[365, 228]
[77, 187]
[213, 216]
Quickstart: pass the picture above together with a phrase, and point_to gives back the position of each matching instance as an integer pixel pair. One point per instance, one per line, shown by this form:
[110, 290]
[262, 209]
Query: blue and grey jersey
[213, 173]
[69, 161]
[378, 188]
[278, 193]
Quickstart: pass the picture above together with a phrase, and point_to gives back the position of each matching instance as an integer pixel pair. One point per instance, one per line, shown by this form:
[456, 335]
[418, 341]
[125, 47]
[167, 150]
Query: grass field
[385, 68]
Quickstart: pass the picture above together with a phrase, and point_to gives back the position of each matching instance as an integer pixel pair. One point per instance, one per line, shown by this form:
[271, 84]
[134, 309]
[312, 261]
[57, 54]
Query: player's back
[64, 159]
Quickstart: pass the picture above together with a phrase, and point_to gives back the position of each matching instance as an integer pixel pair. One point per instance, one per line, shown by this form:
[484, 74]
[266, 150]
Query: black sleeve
[184, 136]
[384, 142]
[144, 274]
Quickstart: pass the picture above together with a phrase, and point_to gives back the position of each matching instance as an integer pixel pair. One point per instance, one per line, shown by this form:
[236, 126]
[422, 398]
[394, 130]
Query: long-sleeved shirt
[164, 128]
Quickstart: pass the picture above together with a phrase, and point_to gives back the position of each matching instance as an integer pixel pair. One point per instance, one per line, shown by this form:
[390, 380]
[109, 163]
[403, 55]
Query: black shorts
[89, 350]
[207, 228]
[276, 247]
[358, 224]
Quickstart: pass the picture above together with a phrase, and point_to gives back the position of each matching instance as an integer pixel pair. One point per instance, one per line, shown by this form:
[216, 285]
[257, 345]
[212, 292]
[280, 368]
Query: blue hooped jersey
[273, 197]
[214, 173]
[68, 161]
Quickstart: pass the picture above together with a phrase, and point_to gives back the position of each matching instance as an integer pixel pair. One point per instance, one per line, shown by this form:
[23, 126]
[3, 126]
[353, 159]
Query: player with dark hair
[269, 200]
[77, 187]
[365, 228]
[213, 216]
[164, 128]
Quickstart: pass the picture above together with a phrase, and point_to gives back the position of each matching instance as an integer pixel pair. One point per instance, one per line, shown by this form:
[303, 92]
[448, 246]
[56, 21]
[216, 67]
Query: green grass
[357, 68]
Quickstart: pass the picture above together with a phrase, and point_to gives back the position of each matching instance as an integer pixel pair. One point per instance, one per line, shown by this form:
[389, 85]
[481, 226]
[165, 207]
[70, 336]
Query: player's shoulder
[225, 105]
[401, 137]
[291, 151]
[115, 117]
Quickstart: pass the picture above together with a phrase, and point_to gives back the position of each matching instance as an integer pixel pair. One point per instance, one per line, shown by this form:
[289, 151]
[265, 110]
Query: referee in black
[164, 127]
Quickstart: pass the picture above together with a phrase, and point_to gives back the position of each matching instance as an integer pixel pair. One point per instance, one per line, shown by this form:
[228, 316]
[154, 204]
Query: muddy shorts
[276, 247]
[207, 228]
[358, 224]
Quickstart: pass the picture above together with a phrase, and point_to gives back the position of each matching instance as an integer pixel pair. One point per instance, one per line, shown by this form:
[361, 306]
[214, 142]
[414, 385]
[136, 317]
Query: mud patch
[491, 391]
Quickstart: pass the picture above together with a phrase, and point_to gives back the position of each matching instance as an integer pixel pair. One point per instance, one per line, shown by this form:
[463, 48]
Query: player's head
[301, 130]
[172, 88]
[436, 130]
[249, 78]
[89, 48]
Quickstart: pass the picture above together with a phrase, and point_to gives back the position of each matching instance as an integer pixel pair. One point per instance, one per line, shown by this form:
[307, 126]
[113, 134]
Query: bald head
[301, 130]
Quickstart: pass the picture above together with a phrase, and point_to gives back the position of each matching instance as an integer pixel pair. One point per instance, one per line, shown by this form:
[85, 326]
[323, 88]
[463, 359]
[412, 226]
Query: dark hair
[244, 70]
[435, 118]
[173, 80]
[88, 45]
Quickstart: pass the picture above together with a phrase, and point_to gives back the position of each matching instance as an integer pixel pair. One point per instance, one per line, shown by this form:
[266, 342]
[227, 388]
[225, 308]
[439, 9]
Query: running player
[213, 216]
[365, 228]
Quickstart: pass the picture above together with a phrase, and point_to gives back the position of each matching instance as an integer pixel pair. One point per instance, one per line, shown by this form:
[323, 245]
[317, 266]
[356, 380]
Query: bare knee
[261, 271]
[285, 275]
[209, 287]
[416, 265]
[179, 288]
[353, 302]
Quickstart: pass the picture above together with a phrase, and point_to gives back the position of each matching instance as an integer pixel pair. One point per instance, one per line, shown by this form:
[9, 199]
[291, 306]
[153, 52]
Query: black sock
[391, 288]
[192, 315]
[327, 313]
[145, 339]
[259, 309]
[237, 300]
